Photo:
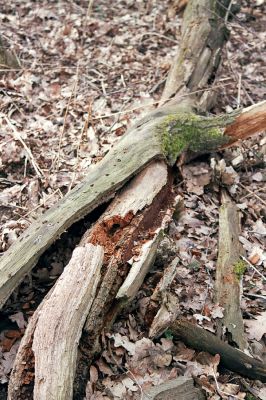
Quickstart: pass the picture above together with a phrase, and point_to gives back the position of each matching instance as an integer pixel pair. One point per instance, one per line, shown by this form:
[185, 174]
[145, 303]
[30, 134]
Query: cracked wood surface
[227, 282]
[55, 329]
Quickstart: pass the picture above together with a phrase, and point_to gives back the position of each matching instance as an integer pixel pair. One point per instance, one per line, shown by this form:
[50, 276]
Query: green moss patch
[190, 132]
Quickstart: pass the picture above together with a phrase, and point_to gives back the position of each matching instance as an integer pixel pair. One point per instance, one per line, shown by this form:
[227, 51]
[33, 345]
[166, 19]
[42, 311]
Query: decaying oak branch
[49, 346]
[124, 232]
[233, 359]
[128, 231]
[164, 136]
[204, 33]
[229, 269]
[166, 133]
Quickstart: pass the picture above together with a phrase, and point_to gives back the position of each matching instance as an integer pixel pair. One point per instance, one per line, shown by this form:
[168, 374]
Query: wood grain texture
[60, 324]
[204, 33]
[126, 159]
[48, 350]
[252, 120]
[227, 282]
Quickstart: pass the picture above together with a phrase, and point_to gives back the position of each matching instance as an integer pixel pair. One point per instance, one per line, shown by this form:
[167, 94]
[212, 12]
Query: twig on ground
[252, 266]
[18, 137]
[72, 95]
[253, 193]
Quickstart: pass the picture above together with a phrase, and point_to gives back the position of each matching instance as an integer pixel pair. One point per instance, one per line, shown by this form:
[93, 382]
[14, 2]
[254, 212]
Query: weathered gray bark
[165, 134]
[232, 358]
[203, 34]
[119, 232]
[55, 329]
[228, 273]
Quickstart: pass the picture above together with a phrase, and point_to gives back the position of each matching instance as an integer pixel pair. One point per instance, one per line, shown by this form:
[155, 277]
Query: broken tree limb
[250, 121]
[231, 358]
[204, 33]
[128, 231]
[50, 343]
[130, 155]
[166, 133]
[51, 338]
[228, 273]
[164, 136]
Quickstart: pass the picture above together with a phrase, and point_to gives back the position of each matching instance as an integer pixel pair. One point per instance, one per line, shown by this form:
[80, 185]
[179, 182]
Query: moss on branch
[183, 131]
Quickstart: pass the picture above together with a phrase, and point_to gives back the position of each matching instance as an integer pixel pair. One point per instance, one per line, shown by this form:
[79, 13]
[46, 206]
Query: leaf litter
[83, 80]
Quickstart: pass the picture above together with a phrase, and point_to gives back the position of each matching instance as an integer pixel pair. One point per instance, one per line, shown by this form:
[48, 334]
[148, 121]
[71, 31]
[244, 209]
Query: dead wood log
[204, 33]
[164, 136]
[231, 358]
[200, 339]
[125, 232]
[229, 269]
[129, 231]
[166, 133]
[48, 351]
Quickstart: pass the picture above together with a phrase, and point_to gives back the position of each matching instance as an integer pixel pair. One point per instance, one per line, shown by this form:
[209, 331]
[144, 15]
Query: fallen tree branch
[231, 358]
[164, 136]
[229, 270]
[48, 350]
[204, 33]
[202, 340]
[129, 231]
[122, 232]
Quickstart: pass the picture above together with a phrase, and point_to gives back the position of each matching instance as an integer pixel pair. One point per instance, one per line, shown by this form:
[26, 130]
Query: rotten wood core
[122, 232]
[123, 244]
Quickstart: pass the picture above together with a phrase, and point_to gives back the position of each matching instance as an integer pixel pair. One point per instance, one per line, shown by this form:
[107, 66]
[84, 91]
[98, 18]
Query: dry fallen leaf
[257, 327]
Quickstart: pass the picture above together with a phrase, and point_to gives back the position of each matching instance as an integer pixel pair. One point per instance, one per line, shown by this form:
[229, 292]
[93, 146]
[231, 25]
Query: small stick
[252, 266]
[17, 136]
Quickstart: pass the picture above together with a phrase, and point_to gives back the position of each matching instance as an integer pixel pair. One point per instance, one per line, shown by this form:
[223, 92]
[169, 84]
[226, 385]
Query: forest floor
[86, 75]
